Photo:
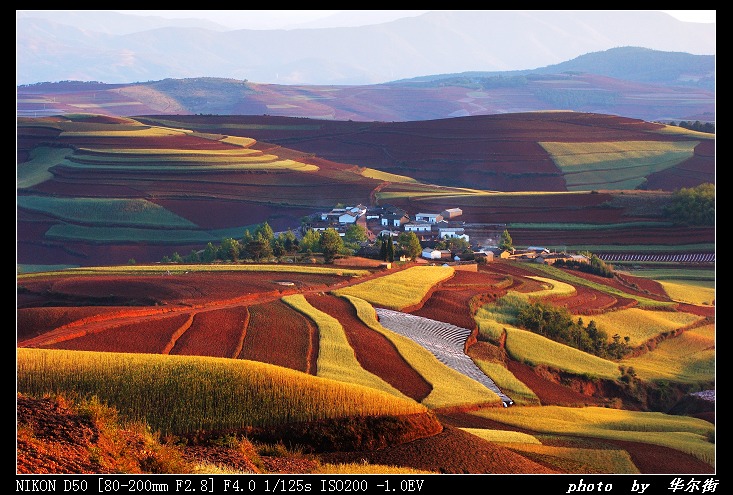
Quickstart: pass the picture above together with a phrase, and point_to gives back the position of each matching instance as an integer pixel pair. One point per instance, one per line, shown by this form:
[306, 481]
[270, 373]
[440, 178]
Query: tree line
[261, 244]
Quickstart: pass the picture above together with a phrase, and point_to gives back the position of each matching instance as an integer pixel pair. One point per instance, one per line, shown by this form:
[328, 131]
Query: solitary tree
[331, 245]
[506, 241]
[409, 244]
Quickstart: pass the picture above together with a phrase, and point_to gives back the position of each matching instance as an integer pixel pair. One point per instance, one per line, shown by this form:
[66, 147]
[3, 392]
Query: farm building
[451, 213]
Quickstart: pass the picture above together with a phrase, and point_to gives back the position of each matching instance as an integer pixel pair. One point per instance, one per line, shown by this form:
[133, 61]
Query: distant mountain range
[115, 48]
[628, 81]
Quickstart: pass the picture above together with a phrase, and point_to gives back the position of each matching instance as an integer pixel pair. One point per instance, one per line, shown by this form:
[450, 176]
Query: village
[442, 235]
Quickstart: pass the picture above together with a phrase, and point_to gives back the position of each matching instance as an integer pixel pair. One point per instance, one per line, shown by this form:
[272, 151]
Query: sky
[287, 19]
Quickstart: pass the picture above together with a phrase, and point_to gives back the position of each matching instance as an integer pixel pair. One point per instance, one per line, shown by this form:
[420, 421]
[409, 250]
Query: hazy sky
[284, 19]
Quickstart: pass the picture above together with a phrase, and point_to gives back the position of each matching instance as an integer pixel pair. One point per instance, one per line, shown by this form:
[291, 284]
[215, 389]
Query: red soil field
[586, 301]
[450, 306]
[451, 302]
[279, 335]
[689, 173]
[31, 322]
[216, 333]
[453, 451]
[522, 282]
[374, 352]
[186, 289]
[149, 335]
[549, 392]
[213, 213]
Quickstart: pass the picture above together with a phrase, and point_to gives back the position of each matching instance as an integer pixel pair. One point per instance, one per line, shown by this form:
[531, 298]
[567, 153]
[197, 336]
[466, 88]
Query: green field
[615, 165]
[106, 211]
[35, 170]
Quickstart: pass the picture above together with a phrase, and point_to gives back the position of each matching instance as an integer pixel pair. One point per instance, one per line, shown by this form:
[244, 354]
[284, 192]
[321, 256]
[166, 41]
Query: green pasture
[615, 164]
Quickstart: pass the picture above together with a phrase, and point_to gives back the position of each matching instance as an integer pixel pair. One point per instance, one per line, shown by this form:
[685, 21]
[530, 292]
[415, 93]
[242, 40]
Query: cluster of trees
[708, 127]
[596, 266]
[262, 244]
[407, 244]
[693, 206]
[557, 324]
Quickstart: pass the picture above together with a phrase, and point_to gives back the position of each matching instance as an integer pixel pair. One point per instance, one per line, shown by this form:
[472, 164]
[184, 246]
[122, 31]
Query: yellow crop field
[681, 131]
[244, 142]
[688, 293]
[336, 359]
[683, 433]
[526, 346]
[687, 358]
[550, 286]
[641, 325]
[503, 436]
[183, 394]
[508, 383]
[401, 289]
[450, 388]
[385, 176]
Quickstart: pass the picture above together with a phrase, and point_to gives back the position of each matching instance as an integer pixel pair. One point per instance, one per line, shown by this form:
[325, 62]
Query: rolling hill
[96, 189]
[630, 81]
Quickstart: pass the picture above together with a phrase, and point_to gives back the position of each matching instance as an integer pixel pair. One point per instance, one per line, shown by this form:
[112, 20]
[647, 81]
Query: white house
[394, 219]
[431, 254]
[417, 227]
[446, 232]
[428, 217]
